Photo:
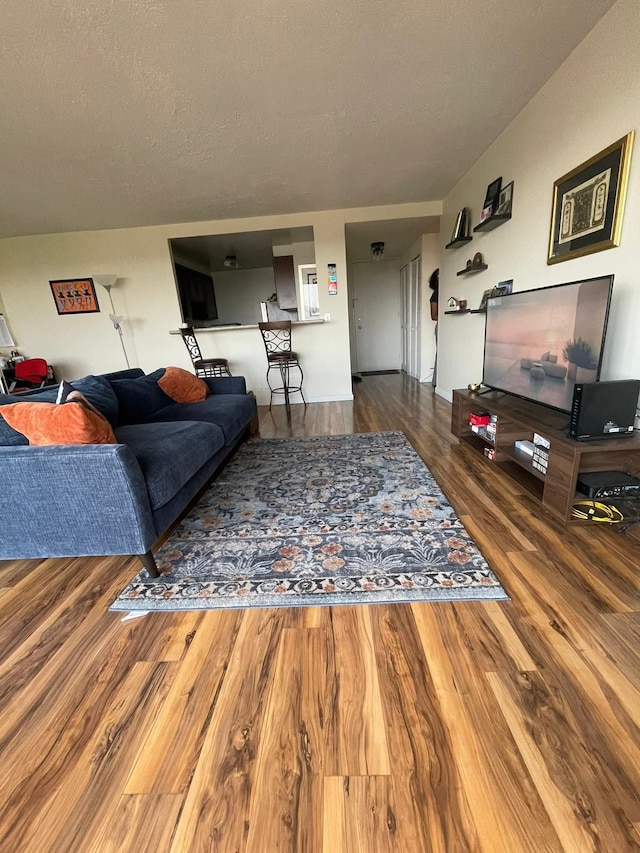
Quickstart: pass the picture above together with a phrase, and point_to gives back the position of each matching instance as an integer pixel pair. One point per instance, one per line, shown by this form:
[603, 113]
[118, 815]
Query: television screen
[539, 343]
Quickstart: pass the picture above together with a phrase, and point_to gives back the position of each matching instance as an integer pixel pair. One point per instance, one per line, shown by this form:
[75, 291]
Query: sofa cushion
[9, 437]
[182, 386]
[226, 384]
[139, 398]
[169, 454]
[96, 389]
[129, 373]
[48, 423]
[231, 412]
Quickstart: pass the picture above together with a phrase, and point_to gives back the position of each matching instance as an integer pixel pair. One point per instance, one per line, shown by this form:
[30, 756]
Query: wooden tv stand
[520, 419]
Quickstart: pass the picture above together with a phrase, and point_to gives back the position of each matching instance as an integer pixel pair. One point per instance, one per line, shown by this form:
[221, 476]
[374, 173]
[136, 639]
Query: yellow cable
[609, 514]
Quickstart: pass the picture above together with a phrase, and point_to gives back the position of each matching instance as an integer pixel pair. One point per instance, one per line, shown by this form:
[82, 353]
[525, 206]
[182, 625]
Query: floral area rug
[349, 519]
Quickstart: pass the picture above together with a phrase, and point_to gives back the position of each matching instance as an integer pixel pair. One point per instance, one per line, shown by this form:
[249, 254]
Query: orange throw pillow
[182, 386]
[49, 423]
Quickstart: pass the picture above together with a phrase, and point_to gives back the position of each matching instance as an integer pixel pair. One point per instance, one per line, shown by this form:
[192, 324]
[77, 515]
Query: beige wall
[146, 296]
[593, 100]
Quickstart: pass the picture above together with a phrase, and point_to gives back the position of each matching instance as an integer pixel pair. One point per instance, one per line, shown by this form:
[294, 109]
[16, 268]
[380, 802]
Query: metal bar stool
[277, 343]
[204, 367]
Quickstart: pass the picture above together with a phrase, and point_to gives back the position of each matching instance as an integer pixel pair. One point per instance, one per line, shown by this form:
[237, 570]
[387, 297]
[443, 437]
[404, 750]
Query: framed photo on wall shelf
[460, 228]
[504, 287]
[485, 299]
[505, 200]
[588, 204]
[491, 197]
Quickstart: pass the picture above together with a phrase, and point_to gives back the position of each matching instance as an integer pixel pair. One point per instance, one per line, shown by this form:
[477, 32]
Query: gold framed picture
[588, 204]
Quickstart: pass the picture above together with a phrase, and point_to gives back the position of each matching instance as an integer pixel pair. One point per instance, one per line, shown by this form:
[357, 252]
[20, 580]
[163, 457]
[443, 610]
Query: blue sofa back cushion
[139, 398]
[231, 412]
[129, 373]
[95, 388]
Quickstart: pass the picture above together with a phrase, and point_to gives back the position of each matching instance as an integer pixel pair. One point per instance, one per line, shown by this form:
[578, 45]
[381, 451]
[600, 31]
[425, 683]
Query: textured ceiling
[118, 113]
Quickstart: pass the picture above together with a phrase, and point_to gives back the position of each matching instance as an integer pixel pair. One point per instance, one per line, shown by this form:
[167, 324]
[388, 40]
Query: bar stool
[276, 337]
[204, 367]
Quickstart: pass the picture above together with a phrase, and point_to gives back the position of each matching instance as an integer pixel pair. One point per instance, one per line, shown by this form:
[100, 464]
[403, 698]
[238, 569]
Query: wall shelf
[478, 311]
[470, 270]
[458, 242]
[459, 311]
[493, 222]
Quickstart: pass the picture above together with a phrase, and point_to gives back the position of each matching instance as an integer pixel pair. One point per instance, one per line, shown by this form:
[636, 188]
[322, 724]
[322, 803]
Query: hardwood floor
[498, 726]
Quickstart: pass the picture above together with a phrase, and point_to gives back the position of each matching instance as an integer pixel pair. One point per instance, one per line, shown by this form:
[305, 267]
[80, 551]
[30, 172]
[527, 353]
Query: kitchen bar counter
[204, 329]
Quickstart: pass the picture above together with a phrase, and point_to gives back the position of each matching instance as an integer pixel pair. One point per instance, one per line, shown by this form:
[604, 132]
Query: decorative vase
[586, 374]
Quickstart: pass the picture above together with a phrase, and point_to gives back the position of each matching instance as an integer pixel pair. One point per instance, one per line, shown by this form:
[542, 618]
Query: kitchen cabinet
[285, 278]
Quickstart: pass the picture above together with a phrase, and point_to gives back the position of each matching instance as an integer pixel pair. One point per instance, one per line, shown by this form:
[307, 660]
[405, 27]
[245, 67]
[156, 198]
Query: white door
[411, 306]
[376, 295]
[404, 315]
[414, 308]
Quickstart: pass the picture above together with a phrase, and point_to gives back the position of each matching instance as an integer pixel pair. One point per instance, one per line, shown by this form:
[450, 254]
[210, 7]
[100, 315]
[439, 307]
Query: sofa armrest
[75, 500]
[227, 384]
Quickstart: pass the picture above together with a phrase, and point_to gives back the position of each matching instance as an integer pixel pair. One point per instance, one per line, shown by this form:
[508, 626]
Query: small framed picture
[486, 213]
[75, 296]
[504, 287]
[460, 228]
[485, 298]
[493, 193]
[505, 200]
[588, 204]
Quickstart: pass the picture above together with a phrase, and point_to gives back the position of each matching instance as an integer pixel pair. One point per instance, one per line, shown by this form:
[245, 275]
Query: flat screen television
[539, 343]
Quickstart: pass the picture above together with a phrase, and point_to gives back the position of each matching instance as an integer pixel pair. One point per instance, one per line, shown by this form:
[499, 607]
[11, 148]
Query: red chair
[30, 373]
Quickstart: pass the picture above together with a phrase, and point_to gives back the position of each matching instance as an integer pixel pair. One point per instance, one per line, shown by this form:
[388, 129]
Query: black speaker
[603, 409]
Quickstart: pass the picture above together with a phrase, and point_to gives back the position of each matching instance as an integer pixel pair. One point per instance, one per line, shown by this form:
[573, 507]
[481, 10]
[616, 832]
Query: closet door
[404, 317]
[411, 304]
[414, 308]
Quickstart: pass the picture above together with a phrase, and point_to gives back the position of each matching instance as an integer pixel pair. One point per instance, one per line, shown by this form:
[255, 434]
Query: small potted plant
[582, 358]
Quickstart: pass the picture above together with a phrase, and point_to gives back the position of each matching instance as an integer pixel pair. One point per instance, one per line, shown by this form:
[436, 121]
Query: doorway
[385, 315]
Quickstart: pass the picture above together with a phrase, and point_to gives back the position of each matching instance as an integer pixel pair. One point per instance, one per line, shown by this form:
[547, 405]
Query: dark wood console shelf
[459, 311]
[493, 222]
[475, 268]
[458, 242]
[518, 420]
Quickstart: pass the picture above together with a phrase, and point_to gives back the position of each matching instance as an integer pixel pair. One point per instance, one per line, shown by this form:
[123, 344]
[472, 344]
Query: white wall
[146, 296]
[591, 101]
[5, 350]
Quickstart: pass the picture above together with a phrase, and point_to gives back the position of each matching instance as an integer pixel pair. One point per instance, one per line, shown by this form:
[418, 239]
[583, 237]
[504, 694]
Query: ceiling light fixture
[108, 281]
[231, 262]
[377, 250]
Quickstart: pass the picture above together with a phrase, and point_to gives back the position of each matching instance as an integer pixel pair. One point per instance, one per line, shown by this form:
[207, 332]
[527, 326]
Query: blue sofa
[83, 500]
